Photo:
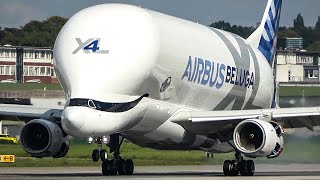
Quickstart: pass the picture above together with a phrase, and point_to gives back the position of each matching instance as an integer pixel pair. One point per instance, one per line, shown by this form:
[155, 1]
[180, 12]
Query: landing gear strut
[117, 165]
[232, 168]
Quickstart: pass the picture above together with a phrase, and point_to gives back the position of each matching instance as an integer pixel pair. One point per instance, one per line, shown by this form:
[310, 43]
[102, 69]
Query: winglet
[265, 37]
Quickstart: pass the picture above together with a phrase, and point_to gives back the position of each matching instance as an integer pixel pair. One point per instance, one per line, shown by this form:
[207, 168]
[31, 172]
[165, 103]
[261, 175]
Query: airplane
[164, 83]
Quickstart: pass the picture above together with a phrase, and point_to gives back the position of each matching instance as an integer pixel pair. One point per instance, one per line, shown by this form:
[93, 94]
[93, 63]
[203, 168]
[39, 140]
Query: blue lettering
[232, 75]
[228, 74]
[200, 70]
[242, 77]
[221, 76]
[247, 79]
[93, 46]
[196, 67]
[187, 72]
[237, 77]
[251, 80]
[206, 74]
[212, 83]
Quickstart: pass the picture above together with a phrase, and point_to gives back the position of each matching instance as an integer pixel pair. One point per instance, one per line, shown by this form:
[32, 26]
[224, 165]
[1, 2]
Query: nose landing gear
[99, 153]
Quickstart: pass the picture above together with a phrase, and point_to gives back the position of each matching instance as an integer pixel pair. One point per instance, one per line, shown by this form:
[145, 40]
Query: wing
[211, 122]
[27, 112]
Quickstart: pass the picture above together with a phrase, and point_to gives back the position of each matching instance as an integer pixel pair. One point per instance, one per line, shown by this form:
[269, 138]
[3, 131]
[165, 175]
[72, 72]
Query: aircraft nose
[72, 120]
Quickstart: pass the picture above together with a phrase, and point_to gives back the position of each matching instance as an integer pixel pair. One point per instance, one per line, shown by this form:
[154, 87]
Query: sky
[16, 13]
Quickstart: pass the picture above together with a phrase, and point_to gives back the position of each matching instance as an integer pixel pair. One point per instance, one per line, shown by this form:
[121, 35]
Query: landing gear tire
[103, 155]
[128, 167]
[95, 155]
[106, 167]
[121, 167]
[113, 169]
[247, 168]
[230, 168]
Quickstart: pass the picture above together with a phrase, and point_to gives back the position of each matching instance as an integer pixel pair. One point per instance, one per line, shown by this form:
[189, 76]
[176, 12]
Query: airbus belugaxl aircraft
[163, 83]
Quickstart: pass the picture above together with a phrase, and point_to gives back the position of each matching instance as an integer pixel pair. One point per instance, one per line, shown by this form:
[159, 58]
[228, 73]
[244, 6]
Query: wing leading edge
[27, 113]
[208, 122]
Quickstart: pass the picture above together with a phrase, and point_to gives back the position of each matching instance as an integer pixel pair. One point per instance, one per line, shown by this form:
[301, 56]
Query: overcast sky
[15, 13]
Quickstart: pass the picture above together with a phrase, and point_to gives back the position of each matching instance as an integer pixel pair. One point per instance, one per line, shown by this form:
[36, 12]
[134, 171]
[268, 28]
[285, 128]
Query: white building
[27, 64]
[297, 67]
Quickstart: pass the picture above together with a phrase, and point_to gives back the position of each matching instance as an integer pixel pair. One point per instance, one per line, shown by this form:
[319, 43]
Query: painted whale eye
[165, 84]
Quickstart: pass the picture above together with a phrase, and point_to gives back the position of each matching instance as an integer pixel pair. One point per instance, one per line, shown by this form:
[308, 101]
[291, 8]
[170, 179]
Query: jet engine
[43, 138]
[258, 138]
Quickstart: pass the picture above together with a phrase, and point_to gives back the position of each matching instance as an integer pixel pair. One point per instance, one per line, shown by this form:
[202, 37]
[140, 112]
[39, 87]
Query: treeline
[311, 35]
[34, 33]
[43, 34]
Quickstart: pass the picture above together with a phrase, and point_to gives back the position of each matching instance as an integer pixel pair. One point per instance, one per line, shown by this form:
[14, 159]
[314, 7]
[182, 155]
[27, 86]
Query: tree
[314, 47]
[298, 23]
[288, 33]
[318, 24]
[34, 33]
[239, 30]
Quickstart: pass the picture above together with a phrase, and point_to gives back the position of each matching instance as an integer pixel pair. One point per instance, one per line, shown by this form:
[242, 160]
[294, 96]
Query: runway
[263, 171]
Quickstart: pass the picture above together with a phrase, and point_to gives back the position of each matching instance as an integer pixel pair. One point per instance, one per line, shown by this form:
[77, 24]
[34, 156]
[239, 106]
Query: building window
[7, 70]
[311, 73]
[25, 70]
[13, 70]
[31, 71]
[1, 52]
[31, 54]
[43, 54]
[53, 73]
[36, 70]
[13, 53]
[36, 54]
[289, 75]
[1, 70]
[48, 55]
[7, 53]
[25, 53]
[48, 72]
[42, 71]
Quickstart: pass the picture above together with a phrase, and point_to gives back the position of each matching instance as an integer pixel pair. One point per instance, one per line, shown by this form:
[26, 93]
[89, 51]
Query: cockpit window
[104, 106]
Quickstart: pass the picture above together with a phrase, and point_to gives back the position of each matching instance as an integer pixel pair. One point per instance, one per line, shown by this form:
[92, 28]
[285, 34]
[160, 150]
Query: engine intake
[42, 138]
[258, 138]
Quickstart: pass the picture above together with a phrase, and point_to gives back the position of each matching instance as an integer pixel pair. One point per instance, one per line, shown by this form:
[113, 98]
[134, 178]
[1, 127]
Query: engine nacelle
[258, 138]
[42, 138]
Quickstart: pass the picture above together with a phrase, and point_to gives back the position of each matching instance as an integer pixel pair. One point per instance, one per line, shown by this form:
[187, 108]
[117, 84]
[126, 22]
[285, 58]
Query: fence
[31, 94]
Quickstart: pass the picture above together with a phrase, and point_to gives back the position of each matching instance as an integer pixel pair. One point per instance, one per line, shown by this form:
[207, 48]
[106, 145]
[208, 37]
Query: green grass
[296, 151]
[29, 86]
[299, 91]
[80, 155]
[284, 91]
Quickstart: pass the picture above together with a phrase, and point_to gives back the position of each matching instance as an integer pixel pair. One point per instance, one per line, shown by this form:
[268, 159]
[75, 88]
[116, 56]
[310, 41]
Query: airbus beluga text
[163, 83]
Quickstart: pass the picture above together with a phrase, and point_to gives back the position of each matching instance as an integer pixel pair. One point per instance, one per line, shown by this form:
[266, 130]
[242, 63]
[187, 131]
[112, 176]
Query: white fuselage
[181, 65]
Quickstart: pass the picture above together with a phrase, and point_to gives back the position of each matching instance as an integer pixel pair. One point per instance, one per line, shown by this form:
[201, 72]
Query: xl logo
[90, 46]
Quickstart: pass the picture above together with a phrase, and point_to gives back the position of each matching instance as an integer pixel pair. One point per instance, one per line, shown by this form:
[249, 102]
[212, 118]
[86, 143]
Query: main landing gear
[232, 168]
[117, 165]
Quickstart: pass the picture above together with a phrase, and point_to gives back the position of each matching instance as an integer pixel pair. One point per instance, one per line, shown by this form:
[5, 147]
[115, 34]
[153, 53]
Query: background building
[26, 64]
[297, 67]
[290, 43]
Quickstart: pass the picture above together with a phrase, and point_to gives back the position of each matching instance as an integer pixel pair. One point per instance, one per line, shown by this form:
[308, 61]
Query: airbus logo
[214, 74]
[90, 46]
